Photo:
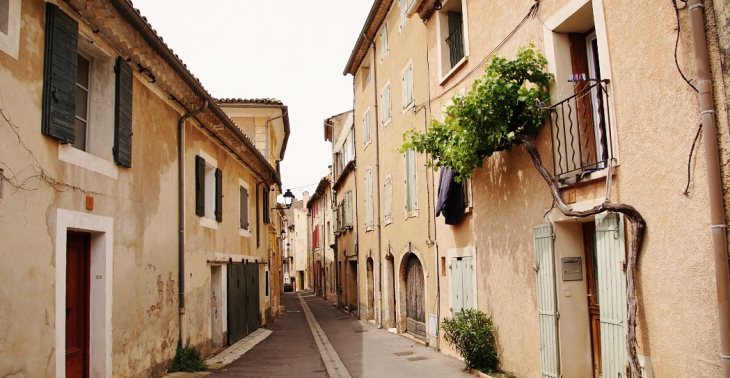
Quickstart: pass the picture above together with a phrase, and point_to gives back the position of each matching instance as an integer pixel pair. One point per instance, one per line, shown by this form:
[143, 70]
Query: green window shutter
[414, 187]
[244, 208]
[199, 186]
[368, 198]
[123, 114]
[59, 75]
[547, 304]
[266, 204]
[612, 291]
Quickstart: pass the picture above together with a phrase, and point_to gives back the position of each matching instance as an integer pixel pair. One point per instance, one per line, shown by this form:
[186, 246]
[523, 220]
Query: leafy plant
[471, 333]
[188, 359]
[506, 101]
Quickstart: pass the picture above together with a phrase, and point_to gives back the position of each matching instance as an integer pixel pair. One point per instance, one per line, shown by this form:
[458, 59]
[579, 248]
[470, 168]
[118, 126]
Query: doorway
[78, 256]
[415, 311]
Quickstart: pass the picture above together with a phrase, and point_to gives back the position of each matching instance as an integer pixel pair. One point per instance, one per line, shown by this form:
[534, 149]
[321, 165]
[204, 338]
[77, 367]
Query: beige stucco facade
[51, 191]
[653, 120]
[400, 198]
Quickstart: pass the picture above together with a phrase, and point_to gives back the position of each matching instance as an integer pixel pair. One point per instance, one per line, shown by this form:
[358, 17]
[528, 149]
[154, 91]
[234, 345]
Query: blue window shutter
[547, 304]
[59, 75]
[218, 195]
[123, 114]
[199, 186]
[612, 291]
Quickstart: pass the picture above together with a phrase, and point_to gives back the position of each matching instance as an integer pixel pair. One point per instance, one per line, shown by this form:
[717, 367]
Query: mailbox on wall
[572, 268]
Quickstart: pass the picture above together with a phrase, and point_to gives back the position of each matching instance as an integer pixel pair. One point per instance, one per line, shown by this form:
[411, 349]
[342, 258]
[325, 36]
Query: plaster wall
[136, 202]
[654, 118]
[408, 232]
[135, 236]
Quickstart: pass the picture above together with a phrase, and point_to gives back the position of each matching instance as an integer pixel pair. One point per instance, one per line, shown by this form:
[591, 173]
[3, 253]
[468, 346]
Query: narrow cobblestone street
[364, 350]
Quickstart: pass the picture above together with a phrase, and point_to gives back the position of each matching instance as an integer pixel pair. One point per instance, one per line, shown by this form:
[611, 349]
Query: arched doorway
[415, 303]
[371, 290]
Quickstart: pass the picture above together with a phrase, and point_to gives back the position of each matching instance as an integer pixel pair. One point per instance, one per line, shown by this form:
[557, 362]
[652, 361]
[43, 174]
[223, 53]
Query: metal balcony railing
[455, 40]
[581, 131]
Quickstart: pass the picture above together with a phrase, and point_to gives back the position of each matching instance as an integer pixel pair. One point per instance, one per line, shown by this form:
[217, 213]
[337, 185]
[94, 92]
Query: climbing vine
[506, 107]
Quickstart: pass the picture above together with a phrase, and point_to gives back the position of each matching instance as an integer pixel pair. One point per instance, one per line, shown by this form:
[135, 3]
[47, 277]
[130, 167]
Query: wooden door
[594, 310]
[77, 304]
[416, 317]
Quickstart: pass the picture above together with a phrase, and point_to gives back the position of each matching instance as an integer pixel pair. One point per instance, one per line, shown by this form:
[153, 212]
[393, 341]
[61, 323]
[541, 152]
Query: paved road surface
[343, 347]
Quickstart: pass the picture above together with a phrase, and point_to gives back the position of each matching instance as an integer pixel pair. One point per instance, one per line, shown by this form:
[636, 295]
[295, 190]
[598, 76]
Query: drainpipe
[377, 179]
[181, 210]
[717, 213]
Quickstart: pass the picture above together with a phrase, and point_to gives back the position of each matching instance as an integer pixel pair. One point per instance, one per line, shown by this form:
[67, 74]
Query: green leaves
[471, 333]
[500, 105]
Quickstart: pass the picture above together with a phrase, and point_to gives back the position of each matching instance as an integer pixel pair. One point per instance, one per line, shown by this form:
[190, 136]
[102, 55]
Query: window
[87, 103]
[83, 66]
[407, 80]
[365, 75]
[10, 27]
[580, 119]
[366, 128]
[388, 192]
[410, 183]
[453, 44]
[267, 282]
[384, 41]
[385, 104]
[4, 16]
[403, 7]
[208, 191]
[368, 200]
[243, 215]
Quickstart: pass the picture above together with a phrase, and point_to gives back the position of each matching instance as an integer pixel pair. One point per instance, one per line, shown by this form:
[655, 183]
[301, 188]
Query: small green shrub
[188, 359]
[471, 333]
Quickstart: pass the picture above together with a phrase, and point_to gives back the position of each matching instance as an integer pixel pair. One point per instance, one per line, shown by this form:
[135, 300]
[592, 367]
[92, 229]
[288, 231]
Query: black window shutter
[244, 208]
[218, 195]
[59, 75]
[199, 186]
[123, 114]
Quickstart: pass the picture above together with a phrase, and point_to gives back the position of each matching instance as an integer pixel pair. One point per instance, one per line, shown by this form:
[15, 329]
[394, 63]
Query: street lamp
[288, 198]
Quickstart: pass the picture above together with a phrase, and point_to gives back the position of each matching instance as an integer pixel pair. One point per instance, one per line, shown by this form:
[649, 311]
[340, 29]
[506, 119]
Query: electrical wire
[676, 43]
[689, 162]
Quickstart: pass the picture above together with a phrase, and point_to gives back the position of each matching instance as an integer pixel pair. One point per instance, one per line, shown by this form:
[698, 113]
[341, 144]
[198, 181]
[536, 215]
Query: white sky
[291, 50]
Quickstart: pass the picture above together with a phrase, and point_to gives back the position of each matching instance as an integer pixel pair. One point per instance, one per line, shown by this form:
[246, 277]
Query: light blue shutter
[612, 291]
[366, 128]
[467, 272]
[384, 41]
[348, 208]
[388, 189]
[457, 300]
[547, 306]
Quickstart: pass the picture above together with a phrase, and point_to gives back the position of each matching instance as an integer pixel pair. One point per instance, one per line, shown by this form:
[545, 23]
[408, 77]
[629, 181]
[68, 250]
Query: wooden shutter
[59, 75]
[348, 208]
[244, 208]
[410, 180]
[612, 292]
[266, 204]
[123, 114]
[199, 186]
[547, 305]
[218, 195]
[457, 303]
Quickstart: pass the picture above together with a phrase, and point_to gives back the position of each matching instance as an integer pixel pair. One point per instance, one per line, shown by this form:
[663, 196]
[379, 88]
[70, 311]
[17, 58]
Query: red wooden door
[77, 305]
